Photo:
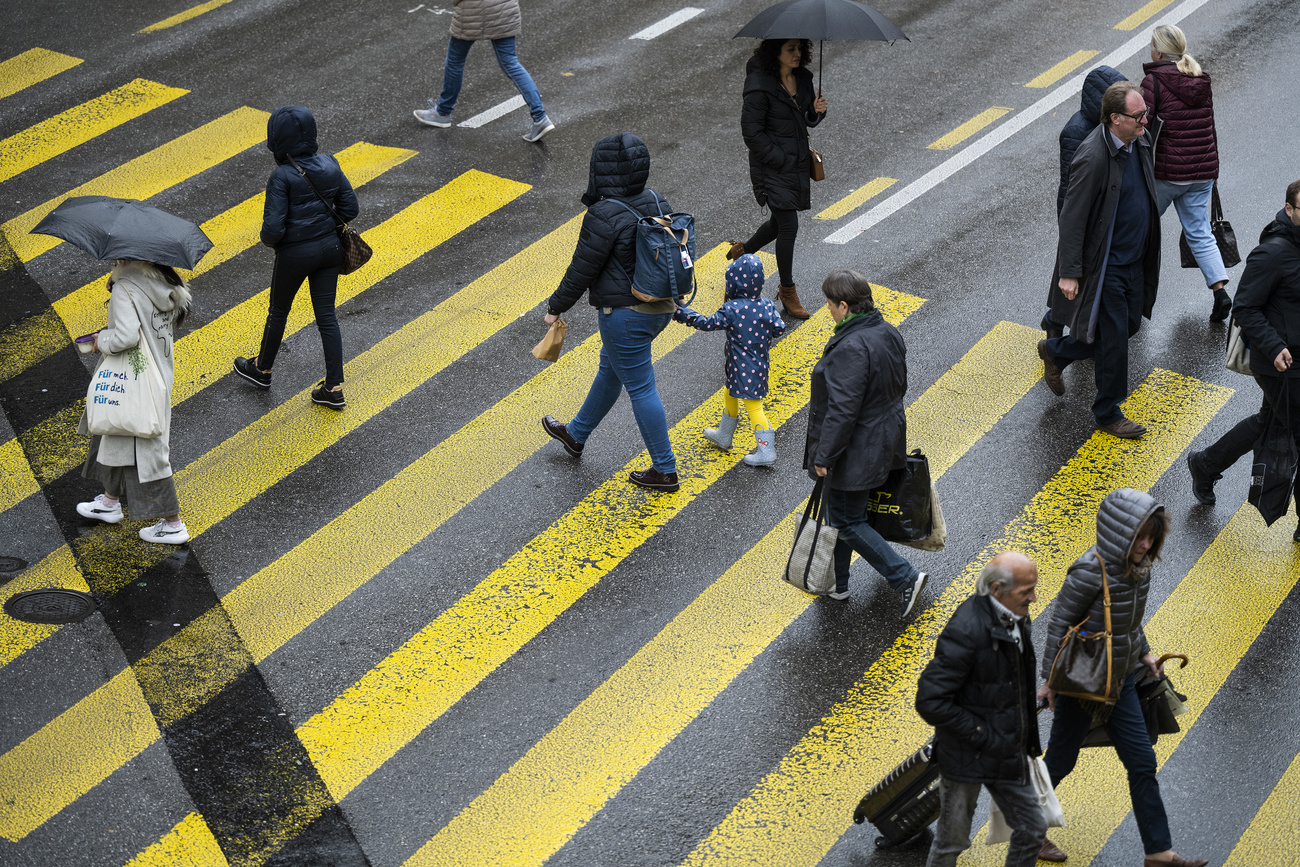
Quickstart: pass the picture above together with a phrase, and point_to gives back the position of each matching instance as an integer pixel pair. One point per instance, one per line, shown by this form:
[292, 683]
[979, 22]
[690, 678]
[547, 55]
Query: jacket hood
[745, 277]
[1120, 517]
[291, 131]
[1192, 91]
[149, 282]
[1094, 88]
[620, 167]
[1281, 227]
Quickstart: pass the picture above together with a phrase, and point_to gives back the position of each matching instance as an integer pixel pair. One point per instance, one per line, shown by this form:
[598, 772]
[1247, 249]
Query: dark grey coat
[1120, 517]
[856, 424]
[979, 693]
[1083, 228]
[1083, 121]
[1267, 305]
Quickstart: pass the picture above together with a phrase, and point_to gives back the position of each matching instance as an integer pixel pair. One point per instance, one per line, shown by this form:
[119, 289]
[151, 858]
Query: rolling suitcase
[904, 804]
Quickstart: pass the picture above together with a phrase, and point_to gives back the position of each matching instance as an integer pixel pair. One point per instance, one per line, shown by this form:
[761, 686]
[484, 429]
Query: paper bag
[550, 346]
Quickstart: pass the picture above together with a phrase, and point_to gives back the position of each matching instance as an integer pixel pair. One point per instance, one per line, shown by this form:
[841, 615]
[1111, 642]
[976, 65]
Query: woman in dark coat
[299, 226]
[780, 105]
[857, 430]
[1187, 154]
[1131, 529]
[602, 264]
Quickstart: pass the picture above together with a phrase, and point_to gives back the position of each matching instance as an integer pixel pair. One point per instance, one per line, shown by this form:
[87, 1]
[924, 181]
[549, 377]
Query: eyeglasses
[1140, 116]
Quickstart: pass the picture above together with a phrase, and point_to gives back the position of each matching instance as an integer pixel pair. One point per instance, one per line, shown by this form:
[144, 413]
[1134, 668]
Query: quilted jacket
[1120, 517]
[486, 19]
[1188, 149]
[775, 129]
[292, 212]
[1084, 121]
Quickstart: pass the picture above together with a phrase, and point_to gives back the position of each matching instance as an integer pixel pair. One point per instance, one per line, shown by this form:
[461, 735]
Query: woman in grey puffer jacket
[1131, 529]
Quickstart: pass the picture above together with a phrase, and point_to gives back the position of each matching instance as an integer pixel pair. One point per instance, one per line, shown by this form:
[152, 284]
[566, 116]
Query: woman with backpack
[780, 105]
[601, 269]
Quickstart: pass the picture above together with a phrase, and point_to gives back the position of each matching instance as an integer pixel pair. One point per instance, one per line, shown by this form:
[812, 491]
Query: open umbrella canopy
[821, 19]
[109, 228]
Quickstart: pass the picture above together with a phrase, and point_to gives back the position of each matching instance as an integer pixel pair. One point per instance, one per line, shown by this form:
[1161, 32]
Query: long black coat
[1268, 298]
[857, 427]
[979, 694]
[775, 128]
[292, 212]
[1083, 227]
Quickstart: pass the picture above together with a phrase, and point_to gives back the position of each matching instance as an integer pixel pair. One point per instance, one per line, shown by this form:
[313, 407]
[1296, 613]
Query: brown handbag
[816, 170]
[1084, 663]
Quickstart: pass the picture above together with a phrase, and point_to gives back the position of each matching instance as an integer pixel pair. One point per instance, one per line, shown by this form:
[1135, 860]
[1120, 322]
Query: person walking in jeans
[857, 430]
[299, 226]
[601, 268]
[501, 22]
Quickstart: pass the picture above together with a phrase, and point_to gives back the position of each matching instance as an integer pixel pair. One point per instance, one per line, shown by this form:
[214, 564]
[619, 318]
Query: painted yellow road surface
[32, 67]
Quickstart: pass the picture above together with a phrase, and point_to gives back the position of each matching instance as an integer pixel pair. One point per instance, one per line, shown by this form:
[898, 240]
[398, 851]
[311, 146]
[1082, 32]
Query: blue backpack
[665, 255]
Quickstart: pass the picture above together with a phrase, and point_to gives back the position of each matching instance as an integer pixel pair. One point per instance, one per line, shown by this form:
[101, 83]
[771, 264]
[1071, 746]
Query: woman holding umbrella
[780, 105]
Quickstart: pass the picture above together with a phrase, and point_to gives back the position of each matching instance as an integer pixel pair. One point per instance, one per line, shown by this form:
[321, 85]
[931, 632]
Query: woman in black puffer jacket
[1131, 529]
[780, 105]
[299, 226]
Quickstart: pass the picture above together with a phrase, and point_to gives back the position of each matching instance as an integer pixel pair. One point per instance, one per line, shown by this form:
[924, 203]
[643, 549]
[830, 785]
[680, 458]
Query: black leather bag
[1160, 702]
[1084, 664]
[1224, 236]
[900, 510]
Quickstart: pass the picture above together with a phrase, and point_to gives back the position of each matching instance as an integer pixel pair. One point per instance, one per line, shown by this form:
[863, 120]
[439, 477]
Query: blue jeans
[1123, 293]
[846, 511]
[1192, 201]
[454, 71]
[1128, 731]
[317, 262]
[625, 362]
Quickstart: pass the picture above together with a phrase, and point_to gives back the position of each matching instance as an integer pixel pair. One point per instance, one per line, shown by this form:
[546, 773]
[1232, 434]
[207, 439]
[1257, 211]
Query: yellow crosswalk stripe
[968, 129]
[568, 776]
[379, 714]
[181, 17]
[189, 844]
[149, 174]
[31, 67]
[53, 136]
[16, 479]
[232, 232]
[856, 198]
[1213, 615]
[1135, 20]
[1062, 69]
[1277, 820]
[802, 807]
[58, 569]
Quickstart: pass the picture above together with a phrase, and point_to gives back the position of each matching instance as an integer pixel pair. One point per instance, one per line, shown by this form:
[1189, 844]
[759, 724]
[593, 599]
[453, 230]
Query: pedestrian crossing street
[795, 813]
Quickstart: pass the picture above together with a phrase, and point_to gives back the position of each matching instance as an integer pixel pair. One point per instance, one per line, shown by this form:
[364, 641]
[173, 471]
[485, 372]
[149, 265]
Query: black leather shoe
[247, 368]
[655, 480]
[558, 430]
[1222, 306]
[1202, 482]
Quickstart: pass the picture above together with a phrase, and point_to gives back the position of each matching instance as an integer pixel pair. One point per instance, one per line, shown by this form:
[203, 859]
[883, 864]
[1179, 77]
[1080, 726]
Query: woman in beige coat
[151, 299]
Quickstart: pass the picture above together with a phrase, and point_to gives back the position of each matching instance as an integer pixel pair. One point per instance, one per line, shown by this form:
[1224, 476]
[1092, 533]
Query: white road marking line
[493, 113]
[677, 18]
[981, 146]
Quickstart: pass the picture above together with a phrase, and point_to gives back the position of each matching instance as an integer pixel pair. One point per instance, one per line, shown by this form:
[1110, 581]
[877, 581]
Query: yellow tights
[757, 418]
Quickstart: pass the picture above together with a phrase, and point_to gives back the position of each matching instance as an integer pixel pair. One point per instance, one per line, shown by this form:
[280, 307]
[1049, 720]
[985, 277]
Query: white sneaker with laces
[162, 534]
[99, 510]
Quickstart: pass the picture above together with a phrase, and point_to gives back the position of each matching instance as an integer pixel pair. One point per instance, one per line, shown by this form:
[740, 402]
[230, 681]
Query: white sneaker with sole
[539, 129]
[165, 535]
[913, 592]
[98, 510]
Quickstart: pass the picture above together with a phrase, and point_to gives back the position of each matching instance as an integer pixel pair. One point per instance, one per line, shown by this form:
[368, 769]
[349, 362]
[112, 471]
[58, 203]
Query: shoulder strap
[1105, 590]
[307, 178]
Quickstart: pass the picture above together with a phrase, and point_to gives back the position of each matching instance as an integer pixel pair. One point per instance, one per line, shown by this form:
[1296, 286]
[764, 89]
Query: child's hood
[745, 277]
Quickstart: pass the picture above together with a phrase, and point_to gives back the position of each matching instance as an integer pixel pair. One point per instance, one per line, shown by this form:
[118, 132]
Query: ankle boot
[736, 250]
[790, 301]
[764, 455]
[722, 434]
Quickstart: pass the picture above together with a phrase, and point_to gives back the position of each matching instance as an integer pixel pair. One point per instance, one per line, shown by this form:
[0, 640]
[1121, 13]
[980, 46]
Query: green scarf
[847, 319]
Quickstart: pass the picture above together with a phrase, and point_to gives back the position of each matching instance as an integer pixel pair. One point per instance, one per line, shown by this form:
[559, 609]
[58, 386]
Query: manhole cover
[12, 564]
[50, 606]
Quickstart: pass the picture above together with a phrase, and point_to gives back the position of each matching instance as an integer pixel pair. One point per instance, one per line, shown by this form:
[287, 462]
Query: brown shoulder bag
[1084, 663]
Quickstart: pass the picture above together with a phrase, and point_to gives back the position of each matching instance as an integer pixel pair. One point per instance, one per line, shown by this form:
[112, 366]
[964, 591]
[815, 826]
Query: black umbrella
[109, 228]
[821, 20]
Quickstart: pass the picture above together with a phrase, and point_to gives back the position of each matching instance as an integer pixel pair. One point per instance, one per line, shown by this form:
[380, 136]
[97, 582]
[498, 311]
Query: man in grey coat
[1108, 256]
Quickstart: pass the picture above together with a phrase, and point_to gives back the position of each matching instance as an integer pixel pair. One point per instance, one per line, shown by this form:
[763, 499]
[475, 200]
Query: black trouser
[316, 261]
[1229, 448]
[783, 227]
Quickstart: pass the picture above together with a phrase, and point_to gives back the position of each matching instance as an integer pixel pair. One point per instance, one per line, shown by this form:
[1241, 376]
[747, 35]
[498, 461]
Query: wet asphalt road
[978, 247]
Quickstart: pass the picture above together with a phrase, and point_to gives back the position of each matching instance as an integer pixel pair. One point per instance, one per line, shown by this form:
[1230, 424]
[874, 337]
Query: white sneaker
[164, 535]
[838, 595]
[99, 510]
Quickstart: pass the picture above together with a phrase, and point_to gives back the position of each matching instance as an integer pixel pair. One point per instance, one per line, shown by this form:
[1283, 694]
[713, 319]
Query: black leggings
[783, 226]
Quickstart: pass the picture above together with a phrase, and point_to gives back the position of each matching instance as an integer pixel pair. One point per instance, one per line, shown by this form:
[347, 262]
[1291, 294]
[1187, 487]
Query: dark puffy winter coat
[1268, 300]
[856, 425]
[775, 128]
[1188, 149]
[1083, 121]
[979, 693]
[1083, 227]
[1120, 517]
[605, 257]
[293, 213]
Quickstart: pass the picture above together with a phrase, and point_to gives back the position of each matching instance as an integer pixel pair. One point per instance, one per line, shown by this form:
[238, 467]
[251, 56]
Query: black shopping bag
[1273, 473]
[899, 510]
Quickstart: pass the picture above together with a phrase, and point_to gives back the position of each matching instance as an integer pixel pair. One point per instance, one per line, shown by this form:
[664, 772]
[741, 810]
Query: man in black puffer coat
[979, 694]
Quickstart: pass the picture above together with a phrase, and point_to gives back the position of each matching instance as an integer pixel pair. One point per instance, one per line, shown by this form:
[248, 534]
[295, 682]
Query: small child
[751, 323]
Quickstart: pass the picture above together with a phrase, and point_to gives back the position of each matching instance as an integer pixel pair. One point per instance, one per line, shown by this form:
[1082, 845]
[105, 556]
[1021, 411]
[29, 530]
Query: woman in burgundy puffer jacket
[1187, 153]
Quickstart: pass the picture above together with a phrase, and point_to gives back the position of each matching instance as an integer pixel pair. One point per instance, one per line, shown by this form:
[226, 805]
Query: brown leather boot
[736, 251]
[790, 301]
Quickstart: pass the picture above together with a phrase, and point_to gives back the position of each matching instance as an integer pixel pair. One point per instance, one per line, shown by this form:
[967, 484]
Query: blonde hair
[1169, 41]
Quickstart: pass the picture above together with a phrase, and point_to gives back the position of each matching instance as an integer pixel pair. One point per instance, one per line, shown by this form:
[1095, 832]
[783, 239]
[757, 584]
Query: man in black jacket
[979, 694]
[1107, 257]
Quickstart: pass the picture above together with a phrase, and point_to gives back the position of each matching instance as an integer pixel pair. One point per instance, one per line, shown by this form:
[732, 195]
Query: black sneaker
[1202, 482]
[655, 480]
[247, 368]
[328, 396]
[913, 592]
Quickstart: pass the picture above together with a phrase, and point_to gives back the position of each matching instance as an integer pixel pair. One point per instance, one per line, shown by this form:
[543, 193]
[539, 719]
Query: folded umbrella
[109, 228]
